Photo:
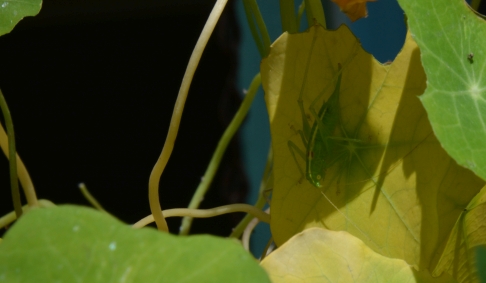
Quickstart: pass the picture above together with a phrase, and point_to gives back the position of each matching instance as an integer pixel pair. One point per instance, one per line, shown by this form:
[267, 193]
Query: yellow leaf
[319, 255]
[469, 232]
[394, 187]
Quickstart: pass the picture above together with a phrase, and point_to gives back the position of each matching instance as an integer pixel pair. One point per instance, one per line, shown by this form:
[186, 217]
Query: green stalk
[238, 230]
[253, 12]
[315, 12]
[287, 14]
[22, 173]
[253, 28]
[206, 213]
[90, 198]
[12, 157]
[175, 121]
[218, 154]
[267, 181]
[262, 27]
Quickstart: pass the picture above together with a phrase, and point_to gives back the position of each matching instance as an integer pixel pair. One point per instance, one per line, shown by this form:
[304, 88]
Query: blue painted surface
[381, 34]
[256, 130]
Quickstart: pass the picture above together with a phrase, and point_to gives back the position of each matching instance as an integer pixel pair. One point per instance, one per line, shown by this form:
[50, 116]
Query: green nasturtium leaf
[12, 11]
[452, 41]
[76, 244]
[393, 186]
[320, 255]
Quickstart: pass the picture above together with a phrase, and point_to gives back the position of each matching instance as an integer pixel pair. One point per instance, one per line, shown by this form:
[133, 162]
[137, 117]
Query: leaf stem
[253, 13]
[22, 172]
[315, 12]
[240, 228]
[90, 198]
[262, 27]
[287, 15]
[267, 181]
[12, 157]
[159, 167]
[219, 152]
[245, 239]
[206, 213]
[253, 28]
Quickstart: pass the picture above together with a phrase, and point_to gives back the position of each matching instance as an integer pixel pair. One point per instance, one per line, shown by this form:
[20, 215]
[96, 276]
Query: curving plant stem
[206, 213]
[90, 198]
[245, 239]
[159, 167]
[22, 172]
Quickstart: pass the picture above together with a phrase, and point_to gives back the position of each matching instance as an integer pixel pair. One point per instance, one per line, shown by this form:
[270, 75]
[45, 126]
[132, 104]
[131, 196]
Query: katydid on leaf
[321, 146]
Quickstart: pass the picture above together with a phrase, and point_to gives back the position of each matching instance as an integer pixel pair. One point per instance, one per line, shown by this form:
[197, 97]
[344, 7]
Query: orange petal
[354, 9]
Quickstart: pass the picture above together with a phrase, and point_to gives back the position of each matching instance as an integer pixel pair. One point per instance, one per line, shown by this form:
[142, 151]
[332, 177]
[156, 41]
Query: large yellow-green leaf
[452, 41]
[320, 255]
[398, 190]
[76, 244]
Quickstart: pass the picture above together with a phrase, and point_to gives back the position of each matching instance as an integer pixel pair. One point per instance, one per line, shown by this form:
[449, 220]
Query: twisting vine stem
[159, 167]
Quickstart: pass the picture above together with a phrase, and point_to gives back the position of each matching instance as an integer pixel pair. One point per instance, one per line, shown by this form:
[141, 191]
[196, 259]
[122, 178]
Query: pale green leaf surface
[76, 244]
[320, 255]
[448, 32]
[399, 191]
[12, 11]
[469, 233]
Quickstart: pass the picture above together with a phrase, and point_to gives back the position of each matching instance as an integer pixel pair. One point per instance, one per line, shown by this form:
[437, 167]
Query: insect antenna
[349, 220]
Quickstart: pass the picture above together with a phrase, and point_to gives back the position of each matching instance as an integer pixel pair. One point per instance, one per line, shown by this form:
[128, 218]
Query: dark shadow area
[438, 188]
[91, 89]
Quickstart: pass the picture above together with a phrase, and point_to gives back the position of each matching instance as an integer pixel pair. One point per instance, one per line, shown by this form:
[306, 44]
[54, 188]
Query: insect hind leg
[293, 150]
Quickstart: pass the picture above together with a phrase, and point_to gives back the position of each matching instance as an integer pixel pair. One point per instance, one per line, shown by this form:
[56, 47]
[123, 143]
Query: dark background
[91, 86]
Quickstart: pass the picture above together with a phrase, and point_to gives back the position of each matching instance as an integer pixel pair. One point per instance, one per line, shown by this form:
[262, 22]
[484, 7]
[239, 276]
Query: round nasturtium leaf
[12, 11]
[391, 184]
[452, 41]
[76, 244]
[320, 255]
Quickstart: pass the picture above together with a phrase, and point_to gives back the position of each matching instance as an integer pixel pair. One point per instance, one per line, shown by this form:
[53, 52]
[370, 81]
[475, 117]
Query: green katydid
[327, 140]
[327, 143]
[323, 148]
[321, 151]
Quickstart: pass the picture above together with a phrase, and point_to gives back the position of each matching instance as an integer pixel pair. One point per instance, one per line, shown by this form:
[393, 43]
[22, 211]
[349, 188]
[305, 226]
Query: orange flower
[355, 9]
